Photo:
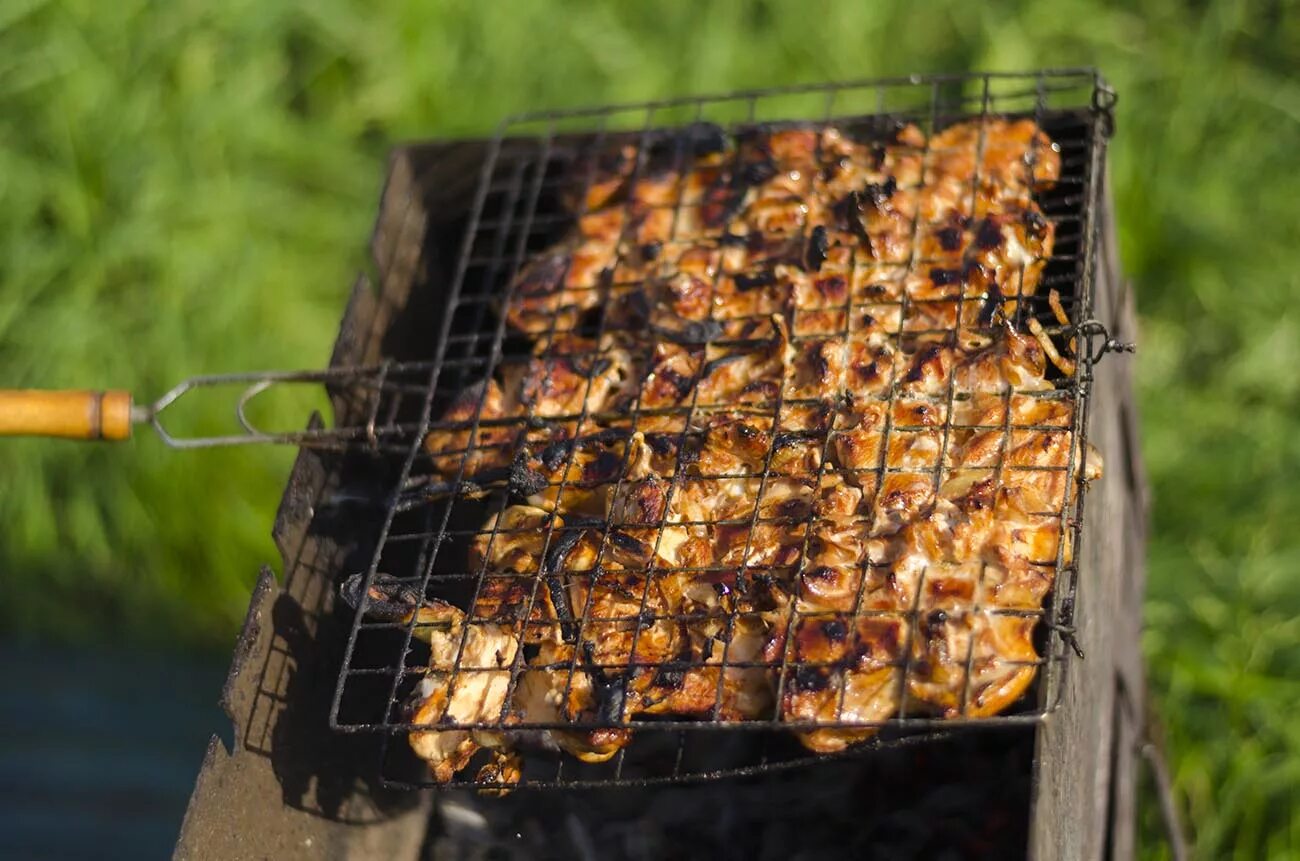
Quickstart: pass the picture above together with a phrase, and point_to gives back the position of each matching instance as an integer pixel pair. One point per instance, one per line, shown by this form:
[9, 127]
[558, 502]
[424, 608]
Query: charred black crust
[941, 277]
[818, 245]
[973, 269]
[879, 193]
[1036, 223]
[672, 150]
[604, 467]
[557, 554]
[628, 544]
[721, 202]
[762, 388]
[785, 439]
[834, 166]
[868, 371]
[681, 383]
[387, 600]
[524, 480]
[662, 444]
[720, 362]
[611, 692]
[835, 630]
[693, 332]
[608, 689]
[821, 572]
[992, 302]
[745, 283]
[809, 679]
[560, 600]
[849, 213]
[877, 155]
[544, 275]
[556, 453]
[755, 173]
[579, 521]
[794, 509]
[989, 235]
[670, 675]
[919, 361]
[637, 306]
[818, 362]
[708, 138]
[607, 435]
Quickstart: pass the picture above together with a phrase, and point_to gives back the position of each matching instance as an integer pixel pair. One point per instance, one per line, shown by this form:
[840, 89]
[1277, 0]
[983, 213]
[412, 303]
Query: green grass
[186, 187]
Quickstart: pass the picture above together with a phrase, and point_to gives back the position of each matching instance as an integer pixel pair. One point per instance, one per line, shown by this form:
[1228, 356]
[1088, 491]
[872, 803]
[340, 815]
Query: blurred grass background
[187, 187]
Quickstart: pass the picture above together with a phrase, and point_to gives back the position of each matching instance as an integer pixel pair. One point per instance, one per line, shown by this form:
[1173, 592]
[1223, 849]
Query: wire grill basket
[536, 166]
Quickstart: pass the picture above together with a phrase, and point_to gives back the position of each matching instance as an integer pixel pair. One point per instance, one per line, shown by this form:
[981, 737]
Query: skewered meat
[786, 450]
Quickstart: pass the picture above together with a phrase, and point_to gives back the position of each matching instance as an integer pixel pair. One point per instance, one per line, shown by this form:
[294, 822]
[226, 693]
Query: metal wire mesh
[449, 516]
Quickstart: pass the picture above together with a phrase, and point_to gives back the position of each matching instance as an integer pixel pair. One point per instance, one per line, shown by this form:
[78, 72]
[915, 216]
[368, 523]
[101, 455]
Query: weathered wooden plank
[1131, 681]
[1083, 803]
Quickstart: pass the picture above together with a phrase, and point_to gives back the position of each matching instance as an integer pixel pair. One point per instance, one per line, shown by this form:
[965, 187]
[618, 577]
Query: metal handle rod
[110, 415]
[254, 384]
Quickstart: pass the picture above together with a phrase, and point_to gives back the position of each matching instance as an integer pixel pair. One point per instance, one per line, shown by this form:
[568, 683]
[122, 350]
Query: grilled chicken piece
[557, 689]
[569, 376]
[467, 683]
[470, 437]
[721, 673]
[671, 376]
[524, 539]
[555, 289]
[843, 669]
[573, 474]
[785, 449]
[1003, 160]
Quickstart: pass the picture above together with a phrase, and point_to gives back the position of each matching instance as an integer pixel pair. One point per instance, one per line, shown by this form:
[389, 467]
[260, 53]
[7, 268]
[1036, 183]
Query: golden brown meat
[467, 683]
[787, 446]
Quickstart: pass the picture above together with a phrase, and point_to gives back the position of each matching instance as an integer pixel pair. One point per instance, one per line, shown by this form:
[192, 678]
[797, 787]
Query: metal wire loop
[1099, 342]
[372, 379]
[1104, 99]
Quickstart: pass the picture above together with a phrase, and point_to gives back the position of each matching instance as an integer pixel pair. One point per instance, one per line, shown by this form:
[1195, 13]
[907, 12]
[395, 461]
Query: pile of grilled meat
[780, 451]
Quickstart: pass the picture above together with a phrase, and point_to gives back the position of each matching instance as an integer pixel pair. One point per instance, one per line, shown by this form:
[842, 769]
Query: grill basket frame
[392, 391]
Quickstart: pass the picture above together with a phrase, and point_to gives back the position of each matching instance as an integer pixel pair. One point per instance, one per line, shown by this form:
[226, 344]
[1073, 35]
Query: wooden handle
[70, 414]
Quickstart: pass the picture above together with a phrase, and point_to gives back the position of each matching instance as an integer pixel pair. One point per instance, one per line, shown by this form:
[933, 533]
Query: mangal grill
[327, 667]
